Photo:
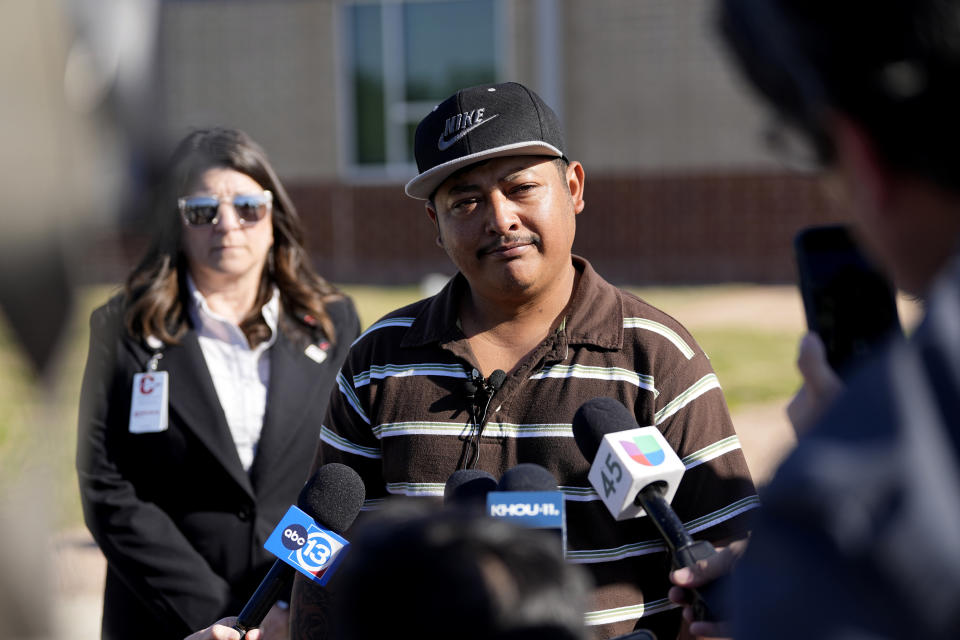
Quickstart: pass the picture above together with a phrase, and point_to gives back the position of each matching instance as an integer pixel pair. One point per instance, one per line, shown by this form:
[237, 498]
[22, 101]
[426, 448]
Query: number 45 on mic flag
[310, 549]
[626, 462]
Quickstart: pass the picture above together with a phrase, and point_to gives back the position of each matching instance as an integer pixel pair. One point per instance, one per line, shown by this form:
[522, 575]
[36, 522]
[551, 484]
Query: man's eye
[465, 204]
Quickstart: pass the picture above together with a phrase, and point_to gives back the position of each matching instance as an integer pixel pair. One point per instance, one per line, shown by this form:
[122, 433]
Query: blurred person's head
[224, 218]
[869, 90]
[417, 572]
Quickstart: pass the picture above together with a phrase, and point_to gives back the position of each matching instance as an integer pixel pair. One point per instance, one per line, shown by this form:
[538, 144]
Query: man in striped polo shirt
[423, 392]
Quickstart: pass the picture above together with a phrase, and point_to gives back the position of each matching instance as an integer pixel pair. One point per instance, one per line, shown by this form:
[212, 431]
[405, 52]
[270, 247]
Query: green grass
[374, 302]
[18, 399]
[38, 418]
[754, 367]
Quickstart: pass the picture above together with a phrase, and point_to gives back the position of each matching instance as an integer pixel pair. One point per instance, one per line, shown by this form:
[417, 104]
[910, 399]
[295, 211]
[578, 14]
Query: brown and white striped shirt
[400, 418]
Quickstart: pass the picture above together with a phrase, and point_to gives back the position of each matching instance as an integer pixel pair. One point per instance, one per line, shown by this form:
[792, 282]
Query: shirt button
[244, 513]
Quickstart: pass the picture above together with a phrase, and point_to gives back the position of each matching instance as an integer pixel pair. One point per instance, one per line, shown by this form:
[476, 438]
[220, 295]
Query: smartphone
[848, 302]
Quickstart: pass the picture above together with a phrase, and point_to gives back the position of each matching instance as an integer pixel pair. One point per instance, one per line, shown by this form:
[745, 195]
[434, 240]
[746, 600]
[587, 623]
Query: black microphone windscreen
[497, 378]
[468, 486]
[527, 476]
[596, 418]
[333, 496]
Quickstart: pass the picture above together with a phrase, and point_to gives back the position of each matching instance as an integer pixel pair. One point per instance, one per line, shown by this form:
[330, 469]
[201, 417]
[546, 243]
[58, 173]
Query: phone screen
[848, 302]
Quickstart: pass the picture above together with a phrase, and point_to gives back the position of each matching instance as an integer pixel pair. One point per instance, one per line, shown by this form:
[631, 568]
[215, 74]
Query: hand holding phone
[848, 302]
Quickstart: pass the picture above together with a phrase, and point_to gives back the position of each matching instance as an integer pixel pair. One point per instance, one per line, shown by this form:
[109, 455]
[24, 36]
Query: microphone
[476, 383]
[527, 476]
[489, 387]
[332, 498]
[468, 488]
[495, 381]
[636, 471]
[527, 495]
[627, 461]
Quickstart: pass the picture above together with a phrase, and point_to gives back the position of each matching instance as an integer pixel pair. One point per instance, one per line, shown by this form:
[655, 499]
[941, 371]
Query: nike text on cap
[479, 123]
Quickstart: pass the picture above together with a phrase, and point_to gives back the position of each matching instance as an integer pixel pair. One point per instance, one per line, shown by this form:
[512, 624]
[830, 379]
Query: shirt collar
[203, 316]
[594, 315]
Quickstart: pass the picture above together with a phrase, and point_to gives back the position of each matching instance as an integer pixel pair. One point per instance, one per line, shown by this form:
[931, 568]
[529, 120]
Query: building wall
[678, 189]
[643, 83]
[667, 229]
[648, 89]
[679, 229]
[266, 67]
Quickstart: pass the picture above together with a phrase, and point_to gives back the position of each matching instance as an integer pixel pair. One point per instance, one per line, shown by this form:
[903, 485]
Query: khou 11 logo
[536, 509]
[308, 548]
[626, 462]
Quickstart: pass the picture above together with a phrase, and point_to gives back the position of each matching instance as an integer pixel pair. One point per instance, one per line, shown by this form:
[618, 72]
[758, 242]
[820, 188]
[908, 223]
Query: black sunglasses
[202, 210]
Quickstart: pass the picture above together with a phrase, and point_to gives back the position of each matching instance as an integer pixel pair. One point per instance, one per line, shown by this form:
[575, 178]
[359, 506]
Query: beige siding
[644, 82]
[647, 88]
[266, 67]
[524, 63]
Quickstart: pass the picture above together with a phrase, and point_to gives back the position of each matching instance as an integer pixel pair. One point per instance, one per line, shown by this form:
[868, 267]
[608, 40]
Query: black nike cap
[479, 123]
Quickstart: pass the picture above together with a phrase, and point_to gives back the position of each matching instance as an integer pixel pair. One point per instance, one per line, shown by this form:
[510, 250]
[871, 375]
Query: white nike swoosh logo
[443, 145]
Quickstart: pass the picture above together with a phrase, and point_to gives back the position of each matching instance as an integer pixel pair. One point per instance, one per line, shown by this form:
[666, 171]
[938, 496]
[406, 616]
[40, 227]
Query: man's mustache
[509, 241]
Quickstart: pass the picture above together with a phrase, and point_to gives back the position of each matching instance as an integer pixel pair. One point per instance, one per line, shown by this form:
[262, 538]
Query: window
[401, 58]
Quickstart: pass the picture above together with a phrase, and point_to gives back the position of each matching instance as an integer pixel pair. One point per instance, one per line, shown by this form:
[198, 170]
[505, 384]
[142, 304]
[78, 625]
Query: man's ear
[432, 214]
[868, 180]
[575, 183]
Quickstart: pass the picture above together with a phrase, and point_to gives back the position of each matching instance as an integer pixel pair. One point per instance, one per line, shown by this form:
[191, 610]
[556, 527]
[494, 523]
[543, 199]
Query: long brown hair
[156, 291]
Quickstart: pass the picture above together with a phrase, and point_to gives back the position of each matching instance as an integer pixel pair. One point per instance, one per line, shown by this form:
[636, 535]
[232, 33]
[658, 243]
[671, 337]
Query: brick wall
[663, 229]
[698, 228]
[668, 229]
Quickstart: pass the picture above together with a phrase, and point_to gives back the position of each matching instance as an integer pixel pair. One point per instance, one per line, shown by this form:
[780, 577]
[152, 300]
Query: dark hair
[890, 66]
[156, 289]
[445, 573]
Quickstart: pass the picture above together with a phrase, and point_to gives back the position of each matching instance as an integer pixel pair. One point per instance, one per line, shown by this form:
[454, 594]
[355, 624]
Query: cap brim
[427, 182]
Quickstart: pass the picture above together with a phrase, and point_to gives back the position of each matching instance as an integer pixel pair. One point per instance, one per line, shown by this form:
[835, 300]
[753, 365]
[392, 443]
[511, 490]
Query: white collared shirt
[241, 375]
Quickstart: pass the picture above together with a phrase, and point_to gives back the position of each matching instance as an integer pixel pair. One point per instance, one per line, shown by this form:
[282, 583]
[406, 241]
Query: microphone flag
[307, 547]
[626, 462]
[533, 509]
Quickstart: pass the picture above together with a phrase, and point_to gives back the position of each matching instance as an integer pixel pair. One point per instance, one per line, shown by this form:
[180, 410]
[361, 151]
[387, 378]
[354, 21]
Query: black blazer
[181, 524]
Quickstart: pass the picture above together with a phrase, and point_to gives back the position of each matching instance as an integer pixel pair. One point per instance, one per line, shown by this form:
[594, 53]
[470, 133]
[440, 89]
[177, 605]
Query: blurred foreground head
[417, 572]
[871, 90]
[78, 118]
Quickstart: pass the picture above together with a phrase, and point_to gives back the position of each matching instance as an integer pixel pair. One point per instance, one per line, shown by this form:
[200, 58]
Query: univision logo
[645, 450]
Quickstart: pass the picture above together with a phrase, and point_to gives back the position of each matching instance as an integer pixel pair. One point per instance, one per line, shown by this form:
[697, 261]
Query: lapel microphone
[477, 385]
[489, 385]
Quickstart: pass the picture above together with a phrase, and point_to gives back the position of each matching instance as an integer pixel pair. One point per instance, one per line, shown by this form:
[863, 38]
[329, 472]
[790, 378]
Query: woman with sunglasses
[204, 391]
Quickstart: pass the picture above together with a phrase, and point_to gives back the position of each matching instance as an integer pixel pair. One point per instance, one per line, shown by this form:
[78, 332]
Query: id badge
[148, 404]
